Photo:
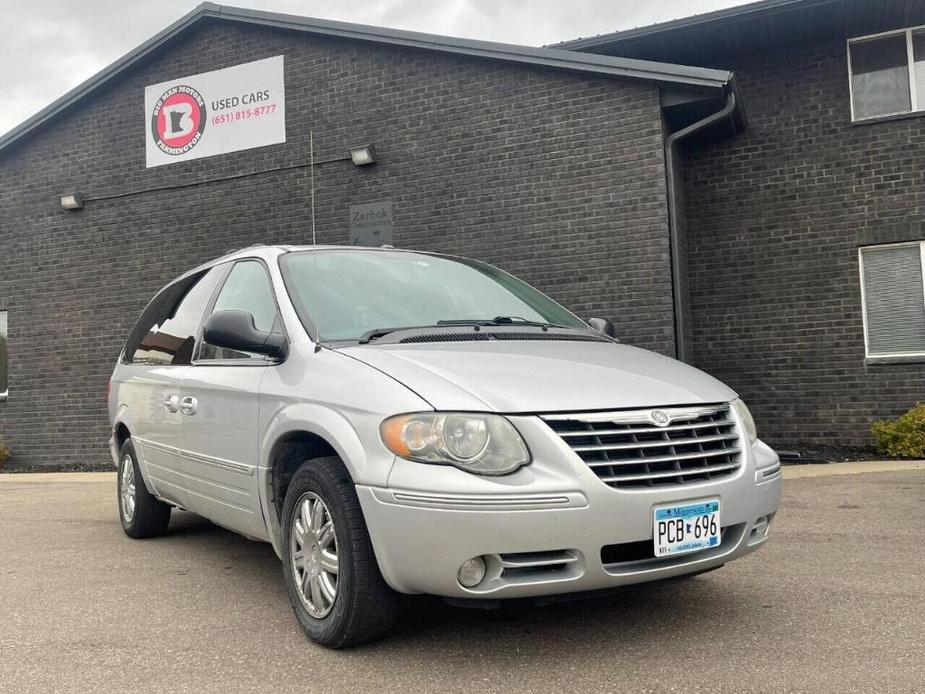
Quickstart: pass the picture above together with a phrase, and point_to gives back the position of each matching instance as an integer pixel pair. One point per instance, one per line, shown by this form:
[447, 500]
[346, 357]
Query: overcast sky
[49, 46]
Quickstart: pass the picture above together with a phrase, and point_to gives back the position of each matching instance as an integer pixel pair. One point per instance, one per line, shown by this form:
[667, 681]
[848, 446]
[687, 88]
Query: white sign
[237, 108]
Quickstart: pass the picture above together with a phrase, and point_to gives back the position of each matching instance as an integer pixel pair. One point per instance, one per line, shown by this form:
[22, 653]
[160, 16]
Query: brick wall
[774, 219]
[555, 177]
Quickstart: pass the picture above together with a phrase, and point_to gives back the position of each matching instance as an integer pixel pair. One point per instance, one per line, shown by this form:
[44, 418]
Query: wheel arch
[301, 432]
[121, 433]
[121, 426]
[288, 453]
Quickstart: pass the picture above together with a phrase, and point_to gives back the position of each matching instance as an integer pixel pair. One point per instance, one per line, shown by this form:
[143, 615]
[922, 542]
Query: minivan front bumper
[537, 539]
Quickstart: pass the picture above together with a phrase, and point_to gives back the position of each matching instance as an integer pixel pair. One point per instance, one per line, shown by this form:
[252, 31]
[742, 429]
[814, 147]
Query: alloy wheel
[127, 488]
[313, 552]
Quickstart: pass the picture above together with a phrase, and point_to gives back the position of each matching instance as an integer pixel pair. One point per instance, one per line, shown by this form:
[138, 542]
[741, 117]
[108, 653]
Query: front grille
[629, 450]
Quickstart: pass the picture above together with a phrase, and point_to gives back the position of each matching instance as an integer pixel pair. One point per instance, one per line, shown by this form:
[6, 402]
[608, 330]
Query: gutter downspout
[673, 231]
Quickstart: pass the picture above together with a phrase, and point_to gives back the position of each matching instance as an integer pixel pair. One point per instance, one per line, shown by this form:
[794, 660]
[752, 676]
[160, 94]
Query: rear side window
[247, 288]
[166, 332]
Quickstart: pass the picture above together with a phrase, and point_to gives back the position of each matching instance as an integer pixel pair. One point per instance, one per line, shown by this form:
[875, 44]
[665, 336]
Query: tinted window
[348, 293]
[247, 288]
[166, 331]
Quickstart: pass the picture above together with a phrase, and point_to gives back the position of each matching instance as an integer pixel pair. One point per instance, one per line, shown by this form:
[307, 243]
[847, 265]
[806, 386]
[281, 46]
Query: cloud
[49, 46]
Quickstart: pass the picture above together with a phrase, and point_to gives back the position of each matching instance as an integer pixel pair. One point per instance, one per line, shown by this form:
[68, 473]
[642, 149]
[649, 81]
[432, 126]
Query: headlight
[747, 422]
[485, 444]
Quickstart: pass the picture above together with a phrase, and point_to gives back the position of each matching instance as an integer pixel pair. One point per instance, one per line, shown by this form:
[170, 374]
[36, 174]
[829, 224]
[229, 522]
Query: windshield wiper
[371, 335]
[499, 320]
[517, 320]
[381, 332]
[466, 321]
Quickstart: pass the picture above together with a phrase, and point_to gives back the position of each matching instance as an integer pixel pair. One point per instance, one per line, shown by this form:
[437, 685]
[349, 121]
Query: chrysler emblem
[660, 418]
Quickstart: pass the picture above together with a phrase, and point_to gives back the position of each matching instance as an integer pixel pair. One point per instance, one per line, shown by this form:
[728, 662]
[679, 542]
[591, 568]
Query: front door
[219, 405]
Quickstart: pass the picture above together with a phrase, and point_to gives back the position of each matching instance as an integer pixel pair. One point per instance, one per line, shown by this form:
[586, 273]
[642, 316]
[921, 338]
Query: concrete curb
[792, 472]
[53, 477]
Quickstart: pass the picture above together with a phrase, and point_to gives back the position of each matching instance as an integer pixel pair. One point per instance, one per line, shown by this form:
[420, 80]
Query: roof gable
[607, 66]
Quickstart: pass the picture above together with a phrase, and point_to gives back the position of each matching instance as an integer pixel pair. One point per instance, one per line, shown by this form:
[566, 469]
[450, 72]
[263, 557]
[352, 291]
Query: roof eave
[731, 13]
[587, 63]
[549, 57]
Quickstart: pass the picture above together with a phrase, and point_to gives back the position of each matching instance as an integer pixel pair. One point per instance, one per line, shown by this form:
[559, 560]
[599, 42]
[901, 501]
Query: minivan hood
[541, 376]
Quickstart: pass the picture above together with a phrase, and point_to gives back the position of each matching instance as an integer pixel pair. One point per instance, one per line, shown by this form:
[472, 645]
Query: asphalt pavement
[835, 602]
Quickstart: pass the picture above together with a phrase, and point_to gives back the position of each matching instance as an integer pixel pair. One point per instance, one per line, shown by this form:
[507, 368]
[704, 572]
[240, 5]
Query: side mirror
[603, 326]
[236, 330]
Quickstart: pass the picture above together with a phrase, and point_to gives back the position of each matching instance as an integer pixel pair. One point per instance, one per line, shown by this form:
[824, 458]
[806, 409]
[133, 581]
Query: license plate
[686, 528]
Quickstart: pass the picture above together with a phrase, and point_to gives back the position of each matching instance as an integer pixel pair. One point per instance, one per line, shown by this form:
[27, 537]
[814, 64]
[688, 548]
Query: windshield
[348, 293]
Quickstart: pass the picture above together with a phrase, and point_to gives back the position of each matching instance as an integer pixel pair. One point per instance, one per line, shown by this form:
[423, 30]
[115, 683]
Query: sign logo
[178, 120]
[660, 418]
[371, 224]
[212, 113]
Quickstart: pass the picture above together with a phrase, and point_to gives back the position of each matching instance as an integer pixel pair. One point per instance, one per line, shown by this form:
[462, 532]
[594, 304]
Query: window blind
[894, 300]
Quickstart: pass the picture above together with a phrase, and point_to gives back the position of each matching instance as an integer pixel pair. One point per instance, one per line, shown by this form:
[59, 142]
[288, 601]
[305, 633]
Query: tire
[363, 607]
[141, 514]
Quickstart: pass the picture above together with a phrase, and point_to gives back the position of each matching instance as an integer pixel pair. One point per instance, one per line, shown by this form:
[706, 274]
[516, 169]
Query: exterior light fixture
[363, 155]
[72, 201]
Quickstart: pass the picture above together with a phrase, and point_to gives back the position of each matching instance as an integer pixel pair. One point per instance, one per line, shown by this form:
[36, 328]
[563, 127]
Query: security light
[363, 155]
[72, 201]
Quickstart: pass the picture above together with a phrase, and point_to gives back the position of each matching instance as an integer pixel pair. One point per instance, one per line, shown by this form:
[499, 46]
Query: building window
[893, 297]
[4, 370]
[887, 74]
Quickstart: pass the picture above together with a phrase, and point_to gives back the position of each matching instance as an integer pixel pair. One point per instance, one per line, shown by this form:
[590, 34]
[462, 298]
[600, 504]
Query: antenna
[311, 163]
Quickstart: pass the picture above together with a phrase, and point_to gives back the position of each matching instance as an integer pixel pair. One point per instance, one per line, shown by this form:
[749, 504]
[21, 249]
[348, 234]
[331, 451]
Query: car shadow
[632, 617]
[187, 524]
[631, 614]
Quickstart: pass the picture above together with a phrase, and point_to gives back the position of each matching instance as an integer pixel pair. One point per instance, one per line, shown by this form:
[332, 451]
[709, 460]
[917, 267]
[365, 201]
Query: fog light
[471, 572]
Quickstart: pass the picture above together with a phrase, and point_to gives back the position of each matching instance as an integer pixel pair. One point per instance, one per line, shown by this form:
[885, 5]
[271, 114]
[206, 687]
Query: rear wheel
[141, 514]
[336, 590]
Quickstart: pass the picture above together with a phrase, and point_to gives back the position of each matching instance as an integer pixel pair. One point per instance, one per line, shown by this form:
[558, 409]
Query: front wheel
[142, 515]
[336, 590]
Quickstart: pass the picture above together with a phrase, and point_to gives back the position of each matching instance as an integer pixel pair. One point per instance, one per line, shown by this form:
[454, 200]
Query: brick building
[605, 172]
[777, 220]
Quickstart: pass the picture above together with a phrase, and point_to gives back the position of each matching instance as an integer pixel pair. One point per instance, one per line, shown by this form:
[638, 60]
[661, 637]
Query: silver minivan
[398, 422]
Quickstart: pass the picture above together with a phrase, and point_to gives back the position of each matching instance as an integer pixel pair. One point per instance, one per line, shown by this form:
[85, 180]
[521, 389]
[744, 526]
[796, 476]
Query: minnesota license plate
[686, 528]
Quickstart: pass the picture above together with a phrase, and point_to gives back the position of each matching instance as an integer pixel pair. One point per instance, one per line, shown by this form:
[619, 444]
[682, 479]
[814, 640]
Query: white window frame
[910, 65]
[883, 355]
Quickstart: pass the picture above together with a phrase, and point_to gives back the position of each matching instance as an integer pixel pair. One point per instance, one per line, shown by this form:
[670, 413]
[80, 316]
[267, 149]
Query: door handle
[189, 406]
[171, 403]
